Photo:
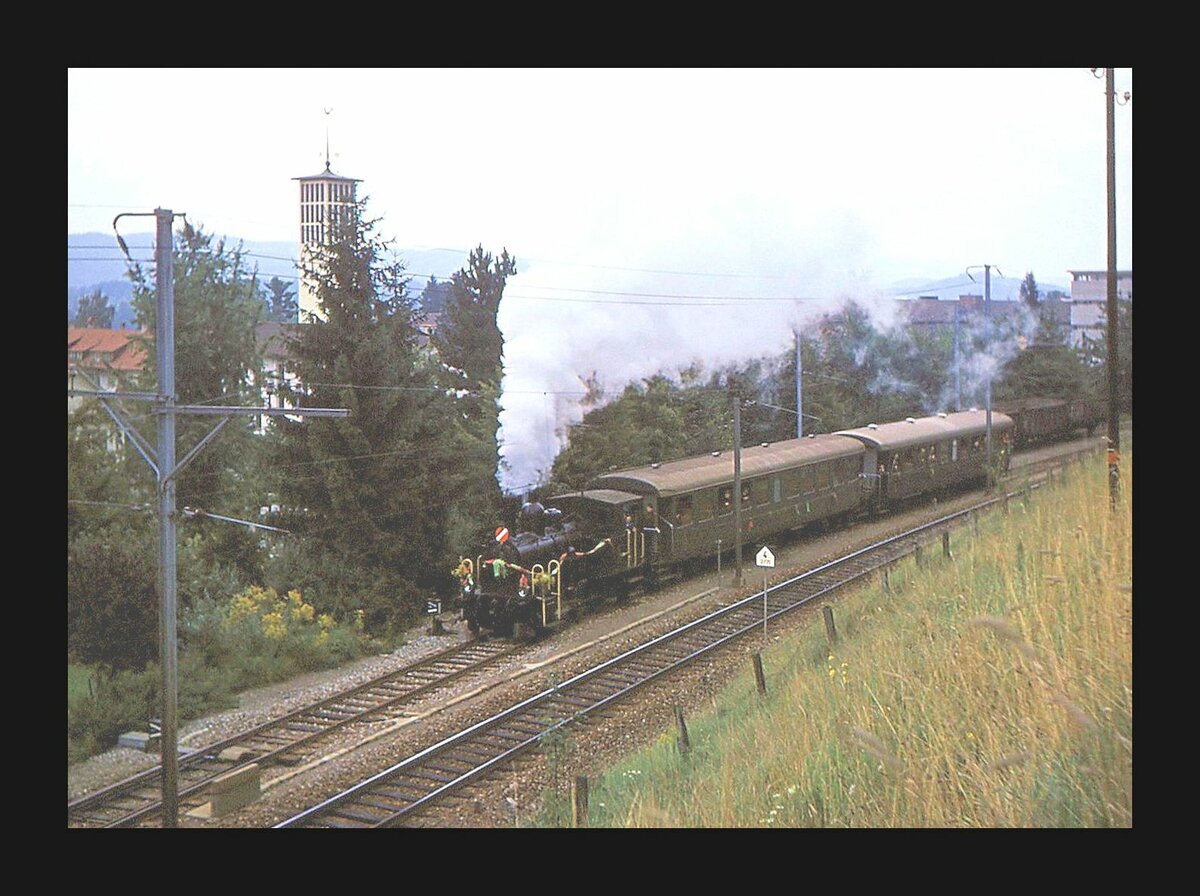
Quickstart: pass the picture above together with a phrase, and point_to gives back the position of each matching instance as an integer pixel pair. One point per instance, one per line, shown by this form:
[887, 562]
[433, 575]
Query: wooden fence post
[830, 628]
[579, 802]
[684, 743]
[760, 680]
[946, 545]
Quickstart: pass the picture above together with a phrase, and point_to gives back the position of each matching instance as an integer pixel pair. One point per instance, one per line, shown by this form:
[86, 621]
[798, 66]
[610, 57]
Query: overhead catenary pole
[166, 469]
[987, 341]
[164, 344]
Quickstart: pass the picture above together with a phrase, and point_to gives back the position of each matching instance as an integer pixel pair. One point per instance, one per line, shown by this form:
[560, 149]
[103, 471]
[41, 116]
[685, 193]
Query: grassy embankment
[993, 689]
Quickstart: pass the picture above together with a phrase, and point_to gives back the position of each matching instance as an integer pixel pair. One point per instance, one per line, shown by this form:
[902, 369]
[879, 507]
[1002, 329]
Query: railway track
[398, 795]
[440, 770]
[289, 740]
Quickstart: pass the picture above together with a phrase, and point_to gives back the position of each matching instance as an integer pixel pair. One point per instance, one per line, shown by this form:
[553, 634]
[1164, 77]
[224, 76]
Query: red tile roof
[107, 349]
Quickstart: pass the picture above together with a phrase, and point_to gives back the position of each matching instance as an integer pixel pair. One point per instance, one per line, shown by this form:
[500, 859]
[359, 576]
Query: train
[643, 526]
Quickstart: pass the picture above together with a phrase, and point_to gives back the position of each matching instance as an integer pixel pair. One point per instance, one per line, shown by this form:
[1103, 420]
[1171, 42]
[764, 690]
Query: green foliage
[365, 493]
[1044, 371]
[112, 534]
[1029, 290]
[279, 298]
[852, 375]
[470, 347]
[94, 310]
[1097, 358]
[468, 337]
[226, 646]
[217, 359]
[112, 596]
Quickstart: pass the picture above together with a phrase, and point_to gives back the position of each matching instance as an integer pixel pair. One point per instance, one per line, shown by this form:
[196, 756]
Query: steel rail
[138, 798]
[379, 801]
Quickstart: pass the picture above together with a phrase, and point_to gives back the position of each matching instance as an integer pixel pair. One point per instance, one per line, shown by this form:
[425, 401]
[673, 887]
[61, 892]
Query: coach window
[776, 490]
[684, 510]
[666, 509]
[954, 450]
[828, 476]
[745, 494]
[850, 469]
[725, 499]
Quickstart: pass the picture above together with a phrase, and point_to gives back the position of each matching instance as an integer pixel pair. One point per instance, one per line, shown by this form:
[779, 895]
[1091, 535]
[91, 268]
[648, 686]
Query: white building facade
[327, 200]
[1089, 304]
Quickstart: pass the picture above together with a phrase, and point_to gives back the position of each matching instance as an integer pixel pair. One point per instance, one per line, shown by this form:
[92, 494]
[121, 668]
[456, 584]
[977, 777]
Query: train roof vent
[764, 444]
[942, 414]
[872, 426]
[655, 465]
[973, 409]
[716, 454]
[812, 435]
[909, 420]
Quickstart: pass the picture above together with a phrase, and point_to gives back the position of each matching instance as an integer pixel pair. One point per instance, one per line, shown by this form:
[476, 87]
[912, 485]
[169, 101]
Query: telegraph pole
[1114, 429]
[737, 486]
[799, 390]
[957, 361]
[166, 469]
[987, 329]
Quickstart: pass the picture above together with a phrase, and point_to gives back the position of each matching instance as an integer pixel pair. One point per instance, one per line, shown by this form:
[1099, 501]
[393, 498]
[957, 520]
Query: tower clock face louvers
[326, 200]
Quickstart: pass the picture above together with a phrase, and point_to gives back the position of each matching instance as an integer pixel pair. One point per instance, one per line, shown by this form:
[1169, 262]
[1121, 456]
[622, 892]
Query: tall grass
[993, 689]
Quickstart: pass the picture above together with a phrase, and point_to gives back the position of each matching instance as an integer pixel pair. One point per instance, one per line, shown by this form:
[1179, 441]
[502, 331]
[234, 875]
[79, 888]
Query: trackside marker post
[766, 560]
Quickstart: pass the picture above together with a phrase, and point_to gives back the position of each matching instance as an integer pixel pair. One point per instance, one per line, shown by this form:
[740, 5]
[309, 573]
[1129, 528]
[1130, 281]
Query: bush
[254, 639]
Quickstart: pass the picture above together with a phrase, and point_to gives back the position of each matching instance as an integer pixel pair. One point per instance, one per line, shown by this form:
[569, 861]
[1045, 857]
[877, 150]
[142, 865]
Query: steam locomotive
[640, 526]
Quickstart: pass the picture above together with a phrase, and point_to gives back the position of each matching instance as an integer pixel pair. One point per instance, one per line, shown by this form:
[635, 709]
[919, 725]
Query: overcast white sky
[749, 185]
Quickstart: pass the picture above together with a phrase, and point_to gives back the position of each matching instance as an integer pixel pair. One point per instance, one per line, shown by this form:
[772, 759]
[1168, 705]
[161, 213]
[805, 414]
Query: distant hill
[95, 262]
[1003, 289]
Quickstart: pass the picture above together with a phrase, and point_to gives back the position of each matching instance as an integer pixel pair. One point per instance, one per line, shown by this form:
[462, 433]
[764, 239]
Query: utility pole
[799, 390]
[1114, 429]
[957, 362]
[987, 341]
[162, 462]
[164, 345]
[987, 330]
[737, 486]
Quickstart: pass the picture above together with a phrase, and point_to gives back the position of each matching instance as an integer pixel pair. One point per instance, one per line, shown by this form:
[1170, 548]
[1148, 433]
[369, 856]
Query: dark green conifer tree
[367, 493]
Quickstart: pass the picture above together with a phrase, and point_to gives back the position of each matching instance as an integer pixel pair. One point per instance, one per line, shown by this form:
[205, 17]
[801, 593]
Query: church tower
[326, 200]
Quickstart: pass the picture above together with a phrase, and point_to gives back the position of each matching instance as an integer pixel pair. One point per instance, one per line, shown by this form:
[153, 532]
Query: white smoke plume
[560, 325]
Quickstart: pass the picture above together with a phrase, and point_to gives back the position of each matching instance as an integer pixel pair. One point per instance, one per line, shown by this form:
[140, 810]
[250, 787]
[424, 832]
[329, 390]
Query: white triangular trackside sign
[765, 557]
